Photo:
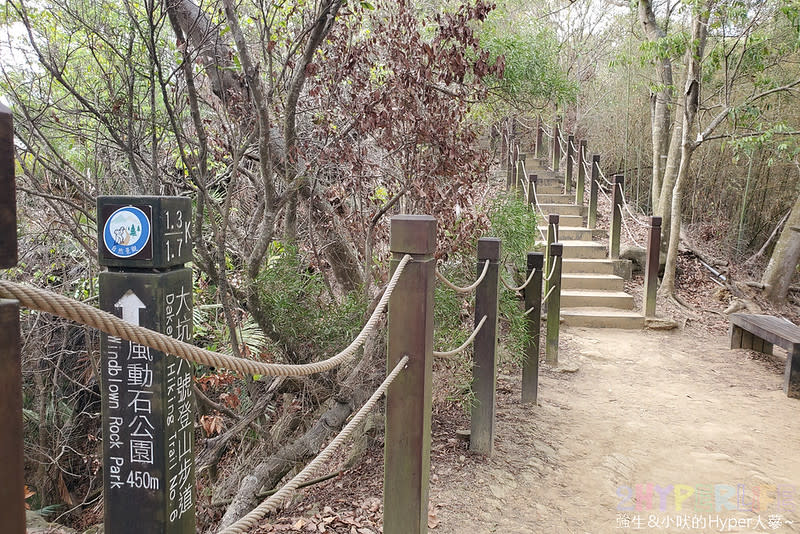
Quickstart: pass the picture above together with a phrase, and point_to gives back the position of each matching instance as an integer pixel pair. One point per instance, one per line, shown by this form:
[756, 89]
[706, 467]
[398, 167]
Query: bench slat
[776, 330]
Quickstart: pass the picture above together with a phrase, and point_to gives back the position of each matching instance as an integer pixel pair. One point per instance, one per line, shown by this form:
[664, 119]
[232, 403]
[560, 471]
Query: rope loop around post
[520, 288]
[468, 288]
[550, 276]
[451, 353]
[544, 299]
[603, 176]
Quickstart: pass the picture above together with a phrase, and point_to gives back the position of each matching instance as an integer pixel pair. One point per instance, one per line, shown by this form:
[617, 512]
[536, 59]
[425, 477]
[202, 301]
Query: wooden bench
[760, 333]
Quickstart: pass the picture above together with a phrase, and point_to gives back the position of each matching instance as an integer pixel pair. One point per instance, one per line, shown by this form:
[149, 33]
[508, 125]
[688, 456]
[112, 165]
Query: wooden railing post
[520, 176]
[581, 173]
[556, 146]
[593, 191]
[511, 164]
[652, 266]
[539, 136]
[531, 200]
[533, 306]
[12, 475]
[408, 399]
[552, 237]
[618, 181]
[504, 146]
[570, 167]
[484, 363]
[554, 306]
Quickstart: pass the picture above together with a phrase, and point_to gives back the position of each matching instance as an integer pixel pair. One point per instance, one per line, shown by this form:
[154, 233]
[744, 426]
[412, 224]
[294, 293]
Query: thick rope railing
[273, 502]
[536, 201]
[524, 179]
[544, 299]
[628, 230]
[468, 288]
[633, 216]
[573, 145]
[541, 232]
[47, 301]
[520, 288]
[552, 270]
[562, 143]
[603, 176]
[522, 123]
[451, 353]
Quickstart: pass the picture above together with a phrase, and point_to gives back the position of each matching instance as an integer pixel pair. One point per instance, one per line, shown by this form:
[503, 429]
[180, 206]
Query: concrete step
[544, 180]
[556, 199]
[600, 282]
[574, 233]
[562, 209]
[589, 298]
[570, 220]
[546, 177]
[602, 318]
[545, 173]
[549, 189]
[584, 266]
[533, 161]
[589, 250]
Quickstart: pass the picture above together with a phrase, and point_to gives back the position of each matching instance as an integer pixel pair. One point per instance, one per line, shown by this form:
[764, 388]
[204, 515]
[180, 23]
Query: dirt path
[634, 408]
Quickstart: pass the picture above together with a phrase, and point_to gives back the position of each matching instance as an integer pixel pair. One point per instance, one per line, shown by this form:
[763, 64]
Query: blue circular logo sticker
[126, 232]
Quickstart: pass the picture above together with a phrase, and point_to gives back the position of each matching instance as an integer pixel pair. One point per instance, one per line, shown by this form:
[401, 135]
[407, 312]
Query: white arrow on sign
[130, 305]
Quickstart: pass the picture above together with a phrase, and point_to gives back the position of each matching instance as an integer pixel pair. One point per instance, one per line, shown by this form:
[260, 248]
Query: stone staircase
[592, 292]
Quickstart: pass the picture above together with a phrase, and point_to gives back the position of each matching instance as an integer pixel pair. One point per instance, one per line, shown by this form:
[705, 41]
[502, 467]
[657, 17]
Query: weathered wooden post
[539, 135]
[511, 158]
[531, 200]
[520, 175]
[579, 193]
[652, 266]
[408, 401]
[484, 362]
[593, 185]
[554, 306]
[568, 173]
[12, 474]
[552, 237]
[791, 374]
[533, 306]
[556, 146]
[147, 401]
[504, 147]
[618, 181]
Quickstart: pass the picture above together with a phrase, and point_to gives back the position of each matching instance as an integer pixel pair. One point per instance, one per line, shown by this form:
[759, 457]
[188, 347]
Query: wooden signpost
[12, 476]
[148, 404]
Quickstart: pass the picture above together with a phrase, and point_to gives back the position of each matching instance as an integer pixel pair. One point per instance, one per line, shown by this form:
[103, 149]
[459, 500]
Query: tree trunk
[212, 51]
[783, 262]
[660, 99]
[671, 171]
[691, 102]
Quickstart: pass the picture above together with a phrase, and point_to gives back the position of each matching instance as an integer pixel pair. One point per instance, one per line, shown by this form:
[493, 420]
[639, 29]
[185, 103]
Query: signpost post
[12, 477]
[148, 421]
